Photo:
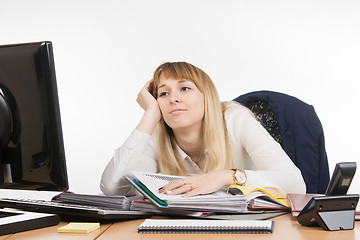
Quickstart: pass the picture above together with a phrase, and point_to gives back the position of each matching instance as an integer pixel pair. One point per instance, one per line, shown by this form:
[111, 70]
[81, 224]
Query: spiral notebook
[220, 201]
[205, 226]
[149, 183]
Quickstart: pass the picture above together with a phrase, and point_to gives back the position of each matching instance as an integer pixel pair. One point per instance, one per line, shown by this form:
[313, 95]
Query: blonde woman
[186, 130]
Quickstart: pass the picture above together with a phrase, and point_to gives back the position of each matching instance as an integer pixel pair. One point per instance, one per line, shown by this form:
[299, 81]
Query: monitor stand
[7, 173]
[13, 221]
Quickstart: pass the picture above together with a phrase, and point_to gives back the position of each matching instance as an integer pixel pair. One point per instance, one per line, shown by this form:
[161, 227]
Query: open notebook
[221, 201]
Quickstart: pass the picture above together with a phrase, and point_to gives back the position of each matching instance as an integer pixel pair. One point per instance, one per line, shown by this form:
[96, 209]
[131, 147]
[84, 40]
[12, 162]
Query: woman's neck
[191, 143]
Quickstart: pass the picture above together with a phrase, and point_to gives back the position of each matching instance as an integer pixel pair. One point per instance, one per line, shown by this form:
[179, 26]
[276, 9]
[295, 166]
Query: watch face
[240, 177]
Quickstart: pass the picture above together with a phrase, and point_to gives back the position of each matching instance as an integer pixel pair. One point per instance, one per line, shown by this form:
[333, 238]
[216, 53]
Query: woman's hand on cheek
[199, 184]
[145, 98]
[152, 113]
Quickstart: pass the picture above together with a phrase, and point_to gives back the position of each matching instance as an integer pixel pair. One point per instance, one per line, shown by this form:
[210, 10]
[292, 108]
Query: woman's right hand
[145, 99]
[152, 113]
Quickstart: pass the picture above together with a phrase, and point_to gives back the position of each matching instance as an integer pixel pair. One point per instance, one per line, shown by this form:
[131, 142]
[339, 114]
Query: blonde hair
[216, 147]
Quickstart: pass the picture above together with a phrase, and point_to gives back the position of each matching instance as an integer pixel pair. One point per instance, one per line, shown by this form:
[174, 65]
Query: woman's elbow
[108, 189]
[121, 189]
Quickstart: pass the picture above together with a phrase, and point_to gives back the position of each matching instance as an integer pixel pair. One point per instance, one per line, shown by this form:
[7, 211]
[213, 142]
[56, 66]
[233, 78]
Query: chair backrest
[300, 130]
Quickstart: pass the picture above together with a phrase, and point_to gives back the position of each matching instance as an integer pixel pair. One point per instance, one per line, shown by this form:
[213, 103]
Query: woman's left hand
[199, 184]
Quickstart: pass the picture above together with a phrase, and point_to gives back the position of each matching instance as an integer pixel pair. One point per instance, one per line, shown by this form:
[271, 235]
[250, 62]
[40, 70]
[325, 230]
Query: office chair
[296, 127]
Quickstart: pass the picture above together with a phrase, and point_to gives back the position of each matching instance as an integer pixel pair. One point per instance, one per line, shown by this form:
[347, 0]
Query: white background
[106, 50]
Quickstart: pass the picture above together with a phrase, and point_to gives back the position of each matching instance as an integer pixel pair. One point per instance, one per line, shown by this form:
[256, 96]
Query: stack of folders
[111, 202]
[205, 226]
[234, 201]
[145, 205]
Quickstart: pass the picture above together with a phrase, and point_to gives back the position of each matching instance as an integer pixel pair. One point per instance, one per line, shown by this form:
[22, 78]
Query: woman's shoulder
[237, 115]
[234, 108]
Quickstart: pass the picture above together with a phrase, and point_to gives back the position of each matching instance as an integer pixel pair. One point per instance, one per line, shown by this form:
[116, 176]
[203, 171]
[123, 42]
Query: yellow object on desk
[270, 193]
[79, 227]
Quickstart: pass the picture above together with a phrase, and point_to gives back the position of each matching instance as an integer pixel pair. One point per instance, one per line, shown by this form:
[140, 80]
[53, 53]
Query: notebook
[221, 201]
[149, 183]
[205, 226]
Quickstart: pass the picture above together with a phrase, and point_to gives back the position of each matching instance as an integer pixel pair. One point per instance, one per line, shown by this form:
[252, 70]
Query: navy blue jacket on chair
[302, 136]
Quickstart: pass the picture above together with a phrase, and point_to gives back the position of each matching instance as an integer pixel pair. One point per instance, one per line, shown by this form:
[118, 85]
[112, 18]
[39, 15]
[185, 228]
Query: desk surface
[286, 227]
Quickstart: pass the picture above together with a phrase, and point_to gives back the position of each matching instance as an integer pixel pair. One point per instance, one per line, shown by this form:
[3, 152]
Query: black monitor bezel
[43, 65]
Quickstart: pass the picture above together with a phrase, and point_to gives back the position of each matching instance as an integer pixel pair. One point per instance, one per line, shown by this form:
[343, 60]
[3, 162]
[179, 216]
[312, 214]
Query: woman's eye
[163, 94]
[185, 88]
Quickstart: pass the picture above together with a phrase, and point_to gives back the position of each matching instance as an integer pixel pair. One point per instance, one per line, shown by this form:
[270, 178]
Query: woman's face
[181, 104]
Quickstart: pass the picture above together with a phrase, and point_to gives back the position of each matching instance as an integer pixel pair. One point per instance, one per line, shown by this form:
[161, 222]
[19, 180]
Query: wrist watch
[239, 177]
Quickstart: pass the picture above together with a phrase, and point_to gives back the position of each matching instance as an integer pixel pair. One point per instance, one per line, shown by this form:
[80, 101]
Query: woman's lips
[177, 111]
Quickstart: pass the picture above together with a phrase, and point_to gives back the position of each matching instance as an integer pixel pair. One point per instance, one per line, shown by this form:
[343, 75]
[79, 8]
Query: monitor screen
[32, 153]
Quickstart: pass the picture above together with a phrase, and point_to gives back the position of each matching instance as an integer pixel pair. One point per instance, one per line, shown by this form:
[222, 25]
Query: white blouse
[254, 150]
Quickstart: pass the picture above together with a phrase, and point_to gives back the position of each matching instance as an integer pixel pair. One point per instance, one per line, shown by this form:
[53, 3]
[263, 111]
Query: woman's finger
[181, 190]
[172, 185]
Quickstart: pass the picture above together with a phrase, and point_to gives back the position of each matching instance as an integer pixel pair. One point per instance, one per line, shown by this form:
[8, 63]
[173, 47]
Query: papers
[112, 202]
[259, 198]
[205, 226]
[143, 205]
[221, 201]
[149, 183]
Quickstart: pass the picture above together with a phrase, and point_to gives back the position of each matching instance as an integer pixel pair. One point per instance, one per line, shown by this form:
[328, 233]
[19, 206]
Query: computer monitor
[32, 153]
